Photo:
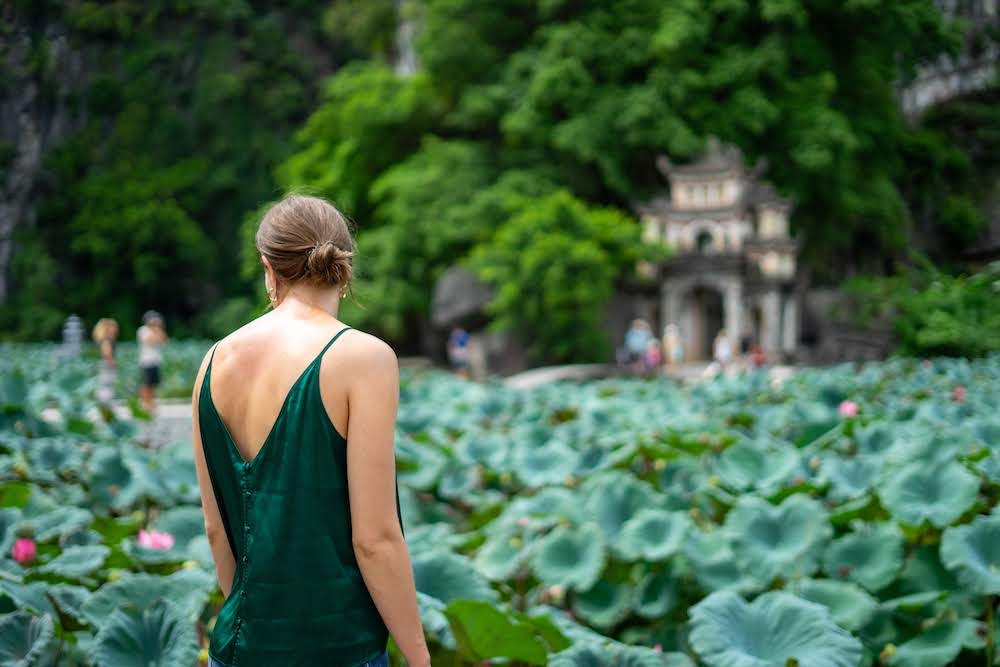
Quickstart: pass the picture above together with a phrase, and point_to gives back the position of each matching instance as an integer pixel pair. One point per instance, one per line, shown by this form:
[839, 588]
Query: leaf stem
[989, 630]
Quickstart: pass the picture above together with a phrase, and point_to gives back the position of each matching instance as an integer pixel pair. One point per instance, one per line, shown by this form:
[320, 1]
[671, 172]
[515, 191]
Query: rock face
[459, 299]
[43, 78]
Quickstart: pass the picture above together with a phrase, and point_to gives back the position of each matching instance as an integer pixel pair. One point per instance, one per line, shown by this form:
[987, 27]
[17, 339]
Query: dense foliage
[190, 116]
[932, 312]
[840, 517]
[179, 112]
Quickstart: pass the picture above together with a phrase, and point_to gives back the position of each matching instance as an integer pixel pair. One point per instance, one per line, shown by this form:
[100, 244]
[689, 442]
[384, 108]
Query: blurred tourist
[758, 358]
[654, 355]
[636, 343]
[722, 349]
[673, 346]
[152, 336]
[458, 351]
[105, 334]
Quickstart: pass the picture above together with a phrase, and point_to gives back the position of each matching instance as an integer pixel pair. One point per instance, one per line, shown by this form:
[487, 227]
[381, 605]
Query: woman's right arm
[373, 396]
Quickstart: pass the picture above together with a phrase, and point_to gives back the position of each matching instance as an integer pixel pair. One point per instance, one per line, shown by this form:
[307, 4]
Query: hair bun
[329, 264]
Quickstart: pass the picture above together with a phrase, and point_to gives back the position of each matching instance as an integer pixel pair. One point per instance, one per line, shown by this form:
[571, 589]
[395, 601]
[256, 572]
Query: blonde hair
[103, 329]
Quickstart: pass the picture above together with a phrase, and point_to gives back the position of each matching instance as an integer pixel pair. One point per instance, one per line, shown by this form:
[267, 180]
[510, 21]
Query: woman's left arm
[225, 562]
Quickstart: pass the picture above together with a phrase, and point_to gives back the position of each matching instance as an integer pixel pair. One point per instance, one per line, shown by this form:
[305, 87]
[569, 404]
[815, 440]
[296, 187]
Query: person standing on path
[458, 351]
[105, 334]
[293, 422]
[152, 336]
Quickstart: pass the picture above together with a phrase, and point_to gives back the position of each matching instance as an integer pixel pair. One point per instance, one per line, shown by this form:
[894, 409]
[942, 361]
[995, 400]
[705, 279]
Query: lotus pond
[844, 517]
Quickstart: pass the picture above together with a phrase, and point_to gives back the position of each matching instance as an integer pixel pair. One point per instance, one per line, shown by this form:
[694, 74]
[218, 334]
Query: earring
[272, 296]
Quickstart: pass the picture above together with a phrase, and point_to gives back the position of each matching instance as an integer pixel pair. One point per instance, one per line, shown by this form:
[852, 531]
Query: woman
[152, 336]
[294, 416]
[105, 334]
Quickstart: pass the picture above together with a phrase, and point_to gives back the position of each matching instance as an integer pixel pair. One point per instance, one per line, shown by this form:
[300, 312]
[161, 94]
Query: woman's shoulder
[361, 349]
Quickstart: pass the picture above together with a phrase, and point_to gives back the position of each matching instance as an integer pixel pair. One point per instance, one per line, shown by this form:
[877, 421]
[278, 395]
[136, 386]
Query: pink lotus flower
[24, 550]
[658, 648]
[958, 394]
[523, 521]
[848, 408]
[154, 539]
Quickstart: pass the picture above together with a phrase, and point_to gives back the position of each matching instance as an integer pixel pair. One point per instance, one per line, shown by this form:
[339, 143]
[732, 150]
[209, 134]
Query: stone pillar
[732, 313]
[790, 326]
[671, 304]
[771, 323]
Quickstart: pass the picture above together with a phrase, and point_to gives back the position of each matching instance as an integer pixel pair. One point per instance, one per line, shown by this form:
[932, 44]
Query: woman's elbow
[369, 545]
[215, 532]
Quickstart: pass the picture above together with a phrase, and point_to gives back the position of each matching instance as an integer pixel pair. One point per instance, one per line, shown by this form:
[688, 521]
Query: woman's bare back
[255, 367]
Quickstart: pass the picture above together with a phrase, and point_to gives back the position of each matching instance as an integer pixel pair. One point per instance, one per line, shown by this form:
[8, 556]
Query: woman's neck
[305, 300]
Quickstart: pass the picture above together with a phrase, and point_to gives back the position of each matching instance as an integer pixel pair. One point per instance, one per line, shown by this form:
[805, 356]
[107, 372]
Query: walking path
[171, 423]
[685, 373]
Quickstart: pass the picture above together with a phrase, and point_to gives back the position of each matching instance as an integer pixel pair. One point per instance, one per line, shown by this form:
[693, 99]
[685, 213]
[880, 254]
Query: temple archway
[702, 318]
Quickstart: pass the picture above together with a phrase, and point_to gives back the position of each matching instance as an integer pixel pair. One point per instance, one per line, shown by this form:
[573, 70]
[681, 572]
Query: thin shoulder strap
[205, 381]
[332, 341]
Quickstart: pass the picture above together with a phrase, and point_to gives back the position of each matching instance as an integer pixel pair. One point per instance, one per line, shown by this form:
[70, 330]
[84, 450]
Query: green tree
[183, 113]
[431, 209]
[369, 120]
[807, 85]
[554, 265]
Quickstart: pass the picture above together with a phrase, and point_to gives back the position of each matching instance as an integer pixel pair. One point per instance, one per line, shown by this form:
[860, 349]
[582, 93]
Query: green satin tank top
[298, 597]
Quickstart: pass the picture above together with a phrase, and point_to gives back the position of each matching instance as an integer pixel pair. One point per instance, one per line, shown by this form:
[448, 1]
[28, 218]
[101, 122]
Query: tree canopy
[520, 110]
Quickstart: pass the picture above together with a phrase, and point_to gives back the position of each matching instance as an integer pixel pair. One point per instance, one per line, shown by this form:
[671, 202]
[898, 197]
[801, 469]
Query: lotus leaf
[435, 622]
[611, 499]
[458, 482]
[500, 556]
[990, 467]
[972, 551]
[420, 465]
[876, 438]
[923, 571]
[552, 463]
[484, 448]
[549, 505]
[851, 477]
[601, 456]
[160, 635]
[9, 519]
[76, 562]
[110, 480]
[771, 631]
[914, 601]
[653, 534]
[754, 465]
[656, 595]
[784, 540]
[482, 631]
[70, 600]
[872, 556]
[59, 522]
[187, 589]
[849, 604]
[50, 457]
[24, 639]
[31, 597]
[570, 557]
[938, 646]
[715, 564]
[612, 654]
[448, 576]
[682, 478]
[605, 604]
[938, 494]
[430, 536]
